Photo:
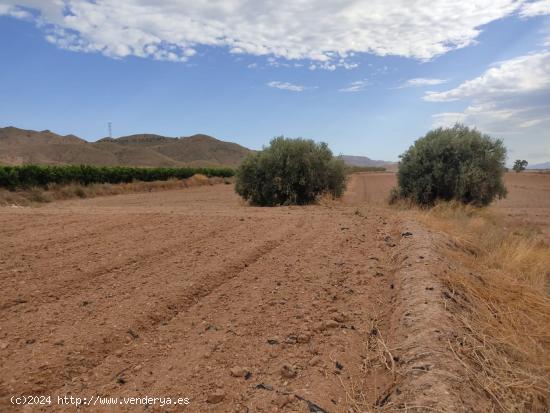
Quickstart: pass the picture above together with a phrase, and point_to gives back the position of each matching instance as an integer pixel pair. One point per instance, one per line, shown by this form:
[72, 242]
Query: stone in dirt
[216, 397]
[340, 317]
[288, 371]
[331, 324]
[314, 361]
[238, 371]
[283, 399]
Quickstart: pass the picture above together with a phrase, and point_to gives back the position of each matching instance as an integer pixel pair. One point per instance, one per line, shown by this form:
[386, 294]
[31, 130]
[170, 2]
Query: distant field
[528, 200]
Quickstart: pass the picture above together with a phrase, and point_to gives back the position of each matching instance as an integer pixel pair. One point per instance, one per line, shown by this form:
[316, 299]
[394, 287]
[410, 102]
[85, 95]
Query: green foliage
[290, 171]
[353, 169]
[455, 163]
[520, 165]
[26, 176]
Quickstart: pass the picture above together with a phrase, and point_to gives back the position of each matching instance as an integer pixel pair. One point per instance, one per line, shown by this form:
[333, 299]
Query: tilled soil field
[193, 294]
[528, 200]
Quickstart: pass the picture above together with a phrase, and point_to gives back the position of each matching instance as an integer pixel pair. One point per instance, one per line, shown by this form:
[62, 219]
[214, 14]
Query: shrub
[290, 171]
[455, 163]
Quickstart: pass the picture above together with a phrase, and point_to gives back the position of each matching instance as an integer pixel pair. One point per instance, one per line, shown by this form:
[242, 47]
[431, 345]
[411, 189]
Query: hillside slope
[19, 146]
[365, 161]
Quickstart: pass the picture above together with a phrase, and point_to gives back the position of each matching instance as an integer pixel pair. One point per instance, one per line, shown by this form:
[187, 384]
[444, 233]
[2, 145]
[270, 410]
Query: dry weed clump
[501, 297]
[37, 195]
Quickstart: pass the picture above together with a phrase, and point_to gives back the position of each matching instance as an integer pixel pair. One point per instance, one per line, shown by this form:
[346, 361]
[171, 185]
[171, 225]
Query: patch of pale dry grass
[500, 296]
[36, 195]
[518, 251]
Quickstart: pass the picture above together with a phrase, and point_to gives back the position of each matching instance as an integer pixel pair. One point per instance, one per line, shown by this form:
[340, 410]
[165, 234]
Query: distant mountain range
[19, 146]
[544, 165]
[364, 161]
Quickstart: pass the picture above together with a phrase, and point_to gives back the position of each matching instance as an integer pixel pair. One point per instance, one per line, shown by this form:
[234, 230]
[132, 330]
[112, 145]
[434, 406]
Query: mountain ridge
[542, 165]
[355, 160]
[20, 146]
[24, 146]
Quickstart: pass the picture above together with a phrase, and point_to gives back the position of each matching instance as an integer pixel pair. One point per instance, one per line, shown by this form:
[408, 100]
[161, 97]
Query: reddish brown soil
[163, 294]
[528, 200]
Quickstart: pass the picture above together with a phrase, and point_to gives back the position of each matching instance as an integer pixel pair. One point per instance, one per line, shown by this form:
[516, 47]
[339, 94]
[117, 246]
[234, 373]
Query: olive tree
[290, 171]
[457, 163]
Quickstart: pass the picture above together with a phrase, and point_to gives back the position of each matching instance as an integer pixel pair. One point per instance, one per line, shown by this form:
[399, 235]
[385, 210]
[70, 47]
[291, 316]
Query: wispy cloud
[535, 8]
[288, 86]
[13, 11]
[422, 81]
[357, 86]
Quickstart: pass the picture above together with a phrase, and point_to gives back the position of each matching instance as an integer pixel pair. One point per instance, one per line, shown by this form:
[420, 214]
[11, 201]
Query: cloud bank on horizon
[511, 97]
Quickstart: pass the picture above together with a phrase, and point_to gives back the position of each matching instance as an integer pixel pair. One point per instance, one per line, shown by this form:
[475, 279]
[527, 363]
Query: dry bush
[501, 297]
[37, 195]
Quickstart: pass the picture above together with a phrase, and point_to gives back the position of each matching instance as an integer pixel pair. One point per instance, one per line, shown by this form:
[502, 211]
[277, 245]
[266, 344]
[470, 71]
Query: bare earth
[173, 294]
[528, 200]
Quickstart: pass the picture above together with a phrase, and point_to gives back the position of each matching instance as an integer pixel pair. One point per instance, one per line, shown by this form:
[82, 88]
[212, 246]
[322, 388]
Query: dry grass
[493, 243]
[34, 196]
[501, 297]
[377, 359]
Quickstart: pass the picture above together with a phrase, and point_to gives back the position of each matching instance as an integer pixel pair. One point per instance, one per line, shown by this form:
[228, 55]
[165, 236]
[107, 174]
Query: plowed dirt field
[193, 294]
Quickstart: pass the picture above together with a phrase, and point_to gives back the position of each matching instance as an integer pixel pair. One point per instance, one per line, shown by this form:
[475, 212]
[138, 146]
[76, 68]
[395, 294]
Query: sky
[367, 77]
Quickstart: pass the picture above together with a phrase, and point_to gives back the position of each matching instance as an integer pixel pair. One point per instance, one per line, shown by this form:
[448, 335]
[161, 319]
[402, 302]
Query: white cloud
[288, 86]
[510, 100]
[535, 8]
[420, 81]
[524, 75]
[325, 32]
[7, 10]
[357, 86]
[448, 119]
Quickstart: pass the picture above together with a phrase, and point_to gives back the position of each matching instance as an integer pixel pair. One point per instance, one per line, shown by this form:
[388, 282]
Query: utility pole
[110, 130]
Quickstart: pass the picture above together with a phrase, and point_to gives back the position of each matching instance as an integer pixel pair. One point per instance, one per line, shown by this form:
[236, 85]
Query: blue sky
[366, 77]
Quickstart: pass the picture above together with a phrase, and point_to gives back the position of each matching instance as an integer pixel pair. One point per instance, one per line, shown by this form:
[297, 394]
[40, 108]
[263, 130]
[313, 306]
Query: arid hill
[19, 146]
[365, 161]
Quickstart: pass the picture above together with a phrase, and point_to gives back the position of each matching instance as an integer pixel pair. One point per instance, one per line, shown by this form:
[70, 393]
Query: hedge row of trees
[26, 176]
[457, 163]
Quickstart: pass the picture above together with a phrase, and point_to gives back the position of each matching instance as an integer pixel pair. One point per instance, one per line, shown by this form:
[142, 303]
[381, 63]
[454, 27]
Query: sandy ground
[528, 200]
[191, 293]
